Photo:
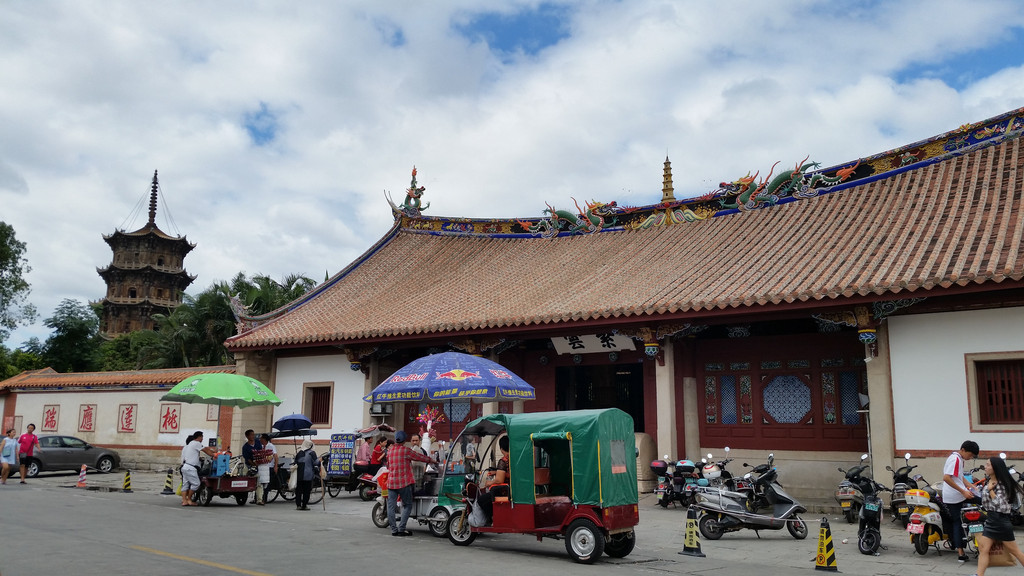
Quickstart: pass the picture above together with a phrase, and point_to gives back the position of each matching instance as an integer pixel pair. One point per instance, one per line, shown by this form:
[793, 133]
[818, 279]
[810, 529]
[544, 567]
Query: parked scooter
[715, 472]
[676, 482]
[930, 524]
[724, 510]
[358, 479]
[849, 493]
[901, 482]
[869, 531]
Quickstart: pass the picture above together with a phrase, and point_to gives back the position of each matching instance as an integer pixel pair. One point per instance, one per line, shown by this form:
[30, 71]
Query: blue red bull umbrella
[451, 376]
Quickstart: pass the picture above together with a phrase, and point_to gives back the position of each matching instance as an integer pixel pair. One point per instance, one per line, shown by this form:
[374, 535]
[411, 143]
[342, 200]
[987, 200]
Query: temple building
[146, 276]
[817, 313]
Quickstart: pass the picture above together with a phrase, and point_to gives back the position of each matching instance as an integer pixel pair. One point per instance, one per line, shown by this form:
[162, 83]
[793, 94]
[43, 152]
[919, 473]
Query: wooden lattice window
[318, 400]
[1000, 391]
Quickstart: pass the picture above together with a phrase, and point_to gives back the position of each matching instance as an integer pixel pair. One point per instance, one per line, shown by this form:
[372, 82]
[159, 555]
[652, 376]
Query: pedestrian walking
[999, 491]
[400, 482]
[8, 454]
[27, 443]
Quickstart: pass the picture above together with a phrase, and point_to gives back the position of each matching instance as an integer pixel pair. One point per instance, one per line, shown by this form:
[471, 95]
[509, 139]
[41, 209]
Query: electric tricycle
[571, 475]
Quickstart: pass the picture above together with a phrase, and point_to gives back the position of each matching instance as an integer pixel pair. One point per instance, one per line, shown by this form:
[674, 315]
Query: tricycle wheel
[438, 521]
[241, 498]
[583, 541]
[459, 532]
[709, 527]
[620, 545]
[379, 515]
[367, 492]
[797, 527]
[288, 495]
[204, 495]
[333, 490]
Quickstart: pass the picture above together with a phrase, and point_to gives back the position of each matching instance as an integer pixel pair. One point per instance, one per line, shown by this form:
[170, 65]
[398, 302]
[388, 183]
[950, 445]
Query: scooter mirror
[727, 450]
[1002, 455]
[907, 457]
[665, 457]
[709, 456]
[889, 468]
[863, 457]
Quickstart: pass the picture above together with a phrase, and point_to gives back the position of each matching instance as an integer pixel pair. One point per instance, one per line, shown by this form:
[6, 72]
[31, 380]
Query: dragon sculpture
[412, 206]
[596, 217]
[748, 193]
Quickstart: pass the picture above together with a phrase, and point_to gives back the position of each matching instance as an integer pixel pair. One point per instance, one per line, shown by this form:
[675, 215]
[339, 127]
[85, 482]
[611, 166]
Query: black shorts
[998, 527]
[24, 459]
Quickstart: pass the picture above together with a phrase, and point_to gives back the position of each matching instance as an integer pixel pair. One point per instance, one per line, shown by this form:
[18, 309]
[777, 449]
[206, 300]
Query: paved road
[53, 528]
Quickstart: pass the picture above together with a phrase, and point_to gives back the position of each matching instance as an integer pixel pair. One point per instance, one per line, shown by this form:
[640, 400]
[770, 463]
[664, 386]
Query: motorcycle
[427, 507]
[676, 482]
[715, 472]
[358, 479]
[849, 493]
[770, 508]
[901, 482]
[869, 531]
[930, 524]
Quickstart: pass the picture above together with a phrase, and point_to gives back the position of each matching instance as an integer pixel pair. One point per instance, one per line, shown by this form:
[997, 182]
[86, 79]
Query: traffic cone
[826, 558]
[81, 478]
[169, 483]
[127, 481]
[691, 542]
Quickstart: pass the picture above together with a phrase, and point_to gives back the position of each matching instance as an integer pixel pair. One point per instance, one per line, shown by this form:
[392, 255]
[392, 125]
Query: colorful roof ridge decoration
[48, 379]
[938, 217]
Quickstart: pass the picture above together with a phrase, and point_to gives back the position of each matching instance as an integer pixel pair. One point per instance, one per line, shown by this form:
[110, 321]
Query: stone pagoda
[146, 277]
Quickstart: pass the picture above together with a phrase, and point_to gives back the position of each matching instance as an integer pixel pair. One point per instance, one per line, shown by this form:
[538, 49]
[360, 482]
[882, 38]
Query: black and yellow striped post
[826, 558]
[691, 541]
[169, 483]
[127, 481]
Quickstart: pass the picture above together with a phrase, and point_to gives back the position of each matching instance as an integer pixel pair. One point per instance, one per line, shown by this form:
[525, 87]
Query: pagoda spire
[152, 200]
[666, 186]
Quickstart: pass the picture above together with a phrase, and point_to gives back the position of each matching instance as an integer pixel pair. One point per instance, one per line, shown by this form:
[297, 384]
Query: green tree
[13, 288]
[74, 344]
[14, 362]
[125, 351]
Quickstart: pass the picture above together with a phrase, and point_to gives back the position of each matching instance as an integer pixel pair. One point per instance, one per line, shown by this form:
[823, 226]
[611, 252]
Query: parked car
[69, 453]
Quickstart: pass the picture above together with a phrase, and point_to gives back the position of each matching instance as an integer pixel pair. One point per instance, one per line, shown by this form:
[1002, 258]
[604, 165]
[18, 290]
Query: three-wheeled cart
[226, 486]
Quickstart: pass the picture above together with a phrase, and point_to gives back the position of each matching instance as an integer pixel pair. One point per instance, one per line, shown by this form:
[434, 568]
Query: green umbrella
[222, 389]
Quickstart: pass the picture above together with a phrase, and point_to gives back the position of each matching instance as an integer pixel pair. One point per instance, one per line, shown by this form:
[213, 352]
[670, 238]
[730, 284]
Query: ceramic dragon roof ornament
[412, 206]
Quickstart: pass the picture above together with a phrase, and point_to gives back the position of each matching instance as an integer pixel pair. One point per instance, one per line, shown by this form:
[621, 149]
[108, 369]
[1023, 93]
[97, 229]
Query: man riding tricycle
[569, 474]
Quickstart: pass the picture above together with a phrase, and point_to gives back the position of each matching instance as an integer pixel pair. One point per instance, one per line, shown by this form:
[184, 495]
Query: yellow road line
[197, 561]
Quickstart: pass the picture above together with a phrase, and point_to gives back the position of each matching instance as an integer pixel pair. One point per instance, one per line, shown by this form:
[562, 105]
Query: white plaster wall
[929, 376]
[348, 409]
[30, 405]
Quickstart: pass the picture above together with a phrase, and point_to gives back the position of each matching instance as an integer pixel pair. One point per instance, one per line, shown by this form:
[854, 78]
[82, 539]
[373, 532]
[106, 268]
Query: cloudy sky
[277, 127]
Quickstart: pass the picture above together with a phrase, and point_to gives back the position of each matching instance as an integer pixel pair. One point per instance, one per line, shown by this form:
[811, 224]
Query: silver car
[69, 453]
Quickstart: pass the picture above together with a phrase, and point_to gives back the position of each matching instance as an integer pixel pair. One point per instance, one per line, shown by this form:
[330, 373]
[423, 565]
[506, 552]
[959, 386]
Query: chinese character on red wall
[51, 417]
[87, 418]
[169, 418]
[126, 415]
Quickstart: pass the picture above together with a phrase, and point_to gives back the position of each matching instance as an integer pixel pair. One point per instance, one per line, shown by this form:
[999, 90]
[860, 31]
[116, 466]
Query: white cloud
[98, 96]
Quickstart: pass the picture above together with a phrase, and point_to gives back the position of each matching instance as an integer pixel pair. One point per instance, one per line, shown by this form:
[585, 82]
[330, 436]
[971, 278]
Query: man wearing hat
[401, 481]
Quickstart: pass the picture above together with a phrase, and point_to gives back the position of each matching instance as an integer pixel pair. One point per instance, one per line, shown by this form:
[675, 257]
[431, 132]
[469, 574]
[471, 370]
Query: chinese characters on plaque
[592, 343]
[87, 418]
[212, 412]
[51, 417]
[126, 417]
[170, 418]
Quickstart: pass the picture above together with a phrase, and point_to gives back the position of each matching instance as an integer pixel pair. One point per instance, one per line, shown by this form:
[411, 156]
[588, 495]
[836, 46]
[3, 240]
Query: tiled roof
[47, 378]
[955, 220]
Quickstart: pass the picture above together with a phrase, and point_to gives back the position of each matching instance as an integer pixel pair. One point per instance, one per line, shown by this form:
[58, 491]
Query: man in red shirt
[26, 445]
[401, 481]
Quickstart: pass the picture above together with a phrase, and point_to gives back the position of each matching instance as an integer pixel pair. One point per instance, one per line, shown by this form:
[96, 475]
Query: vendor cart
[227, 485]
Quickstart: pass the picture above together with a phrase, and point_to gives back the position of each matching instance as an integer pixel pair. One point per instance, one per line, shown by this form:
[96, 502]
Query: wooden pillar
[665, 384]
[881, 425]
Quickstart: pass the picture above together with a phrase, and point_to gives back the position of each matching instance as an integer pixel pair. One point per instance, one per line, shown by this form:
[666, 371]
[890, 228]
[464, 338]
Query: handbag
[293, 477]
[997, 556]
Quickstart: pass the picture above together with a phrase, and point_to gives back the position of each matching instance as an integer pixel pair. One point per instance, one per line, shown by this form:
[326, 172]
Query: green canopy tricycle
[570, 475]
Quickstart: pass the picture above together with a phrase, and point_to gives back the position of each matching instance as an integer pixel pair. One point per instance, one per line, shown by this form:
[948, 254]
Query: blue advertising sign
[342, 453]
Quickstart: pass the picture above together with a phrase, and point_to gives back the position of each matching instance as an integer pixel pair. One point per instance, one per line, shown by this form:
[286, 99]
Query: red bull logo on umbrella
[458, 375]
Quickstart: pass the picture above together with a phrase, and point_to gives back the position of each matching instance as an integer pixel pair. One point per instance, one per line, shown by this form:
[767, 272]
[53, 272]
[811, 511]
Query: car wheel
[709, 527]
[105, 464]
[438, 521]
[459, 532]
[33, 468]
[797, 527]
[620, 545]
[583, 541]
[379, 515]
